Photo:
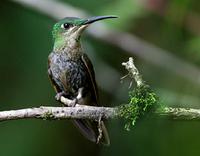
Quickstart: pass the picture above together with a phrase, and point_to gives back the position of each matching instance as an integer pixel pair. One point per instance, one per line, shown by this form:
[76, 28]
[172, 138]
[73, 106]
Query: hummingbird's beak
[97, 18]
[88, 21]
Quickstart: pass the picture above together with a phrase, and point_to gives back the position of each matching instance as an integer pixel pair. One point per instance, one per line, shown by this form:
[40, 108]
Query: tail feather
[89, 129]
[85, 129]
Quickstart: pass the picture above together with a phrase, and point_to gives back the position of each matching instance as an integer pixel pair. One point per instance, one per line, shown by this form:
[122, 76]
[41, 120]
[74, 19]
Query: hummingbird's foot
[80, 94]
[68, 102]
[73, 103]
[59, 95]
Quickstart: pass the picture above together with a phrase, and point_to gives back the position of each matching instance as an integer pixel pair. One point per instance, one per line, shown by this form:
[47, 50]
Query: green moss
[48, 115]
[142, 100]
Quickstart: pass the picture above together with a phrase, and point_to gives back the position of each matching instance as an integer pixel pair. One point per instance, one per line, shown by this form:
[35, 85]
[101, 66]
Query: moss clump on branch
[142, 100]
[48, 116]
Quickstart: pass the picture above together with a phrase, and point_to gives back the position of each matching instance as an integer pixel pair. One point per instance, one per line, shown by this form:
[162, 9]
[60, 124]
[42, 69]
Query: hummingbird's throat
[65, 44]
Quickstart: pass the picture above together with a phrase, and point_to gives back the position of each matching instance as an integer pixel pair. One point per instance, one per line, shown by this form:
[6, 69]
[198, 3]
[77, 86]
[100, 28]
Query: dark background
[26, 41]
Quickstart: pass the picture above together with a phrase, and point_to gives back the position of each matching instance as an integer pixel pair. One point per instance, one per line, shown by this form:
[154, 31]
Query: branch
[78, 112]
[133, 71]
[90, 112]
[180, 113]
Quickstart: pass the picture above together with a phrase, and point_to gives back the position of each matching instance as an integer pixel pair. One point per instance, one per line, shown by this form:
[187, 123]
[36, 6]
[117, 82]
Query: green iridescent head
[65, 25]
[69, 29]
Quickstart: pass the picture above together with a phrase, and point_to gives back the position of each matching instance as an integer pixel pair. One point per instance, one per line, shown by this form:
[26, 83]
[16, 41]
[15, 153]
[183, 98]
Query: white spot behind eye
[62, 26]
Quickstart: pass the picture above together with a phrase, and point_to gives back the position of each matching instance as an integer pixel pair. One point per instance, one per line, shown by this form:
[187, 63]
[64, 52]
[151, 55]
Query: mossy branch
[142, 98]
[90, 112]
[144, 101]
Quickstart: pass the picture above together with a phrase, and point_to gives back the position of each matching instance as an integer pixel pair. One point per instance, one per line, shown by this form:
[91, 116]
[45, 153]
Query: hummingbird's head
[68, 30]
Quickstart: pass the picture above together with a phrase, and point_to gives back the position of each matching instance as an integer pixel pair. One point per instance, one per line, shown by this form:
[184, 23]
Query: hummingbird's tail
[90, 130]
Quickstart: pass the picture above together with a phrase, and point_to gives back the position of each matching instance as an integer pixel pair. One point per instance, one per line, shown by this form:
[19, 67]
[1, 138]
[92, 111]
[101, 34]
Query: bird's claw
[58, 96]
[68, 102]
[72, 103]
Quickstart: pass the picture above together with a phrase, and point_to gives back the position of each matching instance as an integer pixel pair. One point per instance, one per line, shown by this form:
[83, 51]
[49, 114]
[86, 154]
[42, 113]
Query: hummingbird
[72, 74]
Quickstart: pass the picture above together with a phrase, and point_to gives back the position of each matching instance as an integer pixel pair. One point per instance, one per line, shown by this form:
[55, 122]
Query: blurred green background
[26, 41]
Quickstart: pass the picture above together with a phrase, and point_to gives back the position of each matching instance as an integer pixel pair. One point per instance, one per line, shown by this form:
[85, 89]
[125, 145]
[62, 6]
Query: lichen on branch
[142, 99]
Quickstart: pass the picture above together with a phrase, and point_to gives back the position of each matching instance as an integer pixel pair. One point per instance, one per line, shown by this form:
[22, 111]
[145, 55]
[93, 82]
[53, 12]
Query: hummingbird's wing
[90, 128]
[90, 70]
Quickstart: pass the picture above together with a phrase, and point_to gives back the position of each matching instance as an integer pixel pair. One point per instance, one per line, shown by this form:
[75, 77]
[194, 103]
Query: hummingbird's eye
[65, 25]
